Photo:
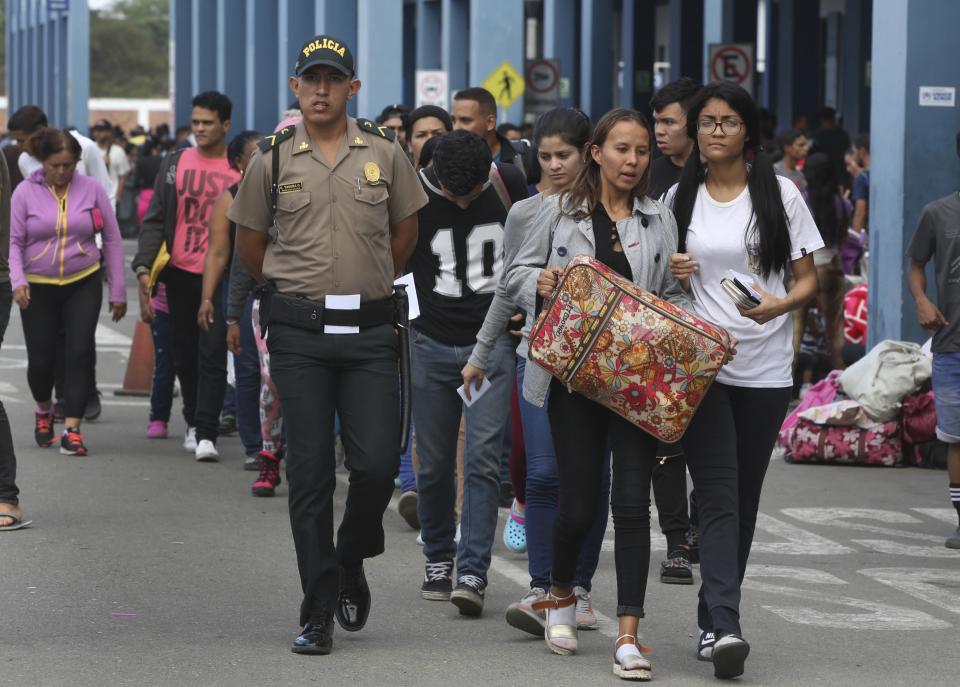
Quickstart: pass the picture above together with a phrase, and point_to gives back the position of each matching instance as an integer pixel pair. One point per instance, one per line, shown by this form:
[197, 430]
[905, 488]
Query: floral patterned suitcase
[621, 346]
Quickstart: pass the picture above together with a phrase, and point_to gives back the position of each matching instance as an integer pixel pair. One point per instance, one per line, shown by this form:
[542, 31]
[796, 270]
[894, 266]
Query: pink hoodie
[52, 242]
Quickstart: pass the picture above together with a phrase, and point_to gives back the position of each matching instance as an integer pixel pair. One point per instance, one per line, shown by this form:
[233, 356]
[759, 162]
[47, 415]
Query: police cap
[325, 50]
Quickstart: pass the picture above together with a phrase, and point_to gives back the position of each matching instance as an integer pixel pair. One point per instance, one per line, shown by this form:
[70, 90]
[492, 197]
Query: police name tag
[351, 302]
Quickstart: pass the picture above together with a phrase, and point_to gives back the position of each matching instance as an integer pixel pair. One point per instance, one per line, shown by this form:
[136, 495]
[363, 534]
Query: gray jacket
[649, 238]
[519, 223]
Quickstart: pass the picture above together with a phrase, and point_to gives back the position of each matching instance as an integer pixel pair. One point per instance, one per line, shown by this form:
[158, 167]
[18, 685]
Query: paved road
[146, 568]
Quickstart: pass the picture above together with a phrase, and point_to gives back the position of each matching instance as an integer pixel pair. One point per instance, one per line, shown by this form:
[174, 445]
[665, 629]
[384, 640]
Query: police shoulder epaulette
[377, 129]
[267, 142]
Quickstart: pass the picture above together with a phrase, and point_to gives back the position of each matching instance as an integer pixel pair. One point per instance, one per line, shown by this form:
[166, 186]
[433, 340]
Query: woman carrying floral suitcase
[606, 215]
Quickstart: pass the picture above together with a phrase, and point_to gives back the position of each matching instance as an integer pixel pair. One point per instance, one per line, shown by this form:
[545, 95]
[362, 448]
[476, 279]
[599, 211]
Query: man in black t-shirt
[669, 106]
[456, 266]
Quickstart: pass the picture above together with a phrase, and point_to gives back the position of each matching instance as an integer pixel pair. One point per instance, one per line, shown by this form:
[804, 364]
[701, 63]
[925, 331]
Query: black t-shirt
[603, 229]
[663, 175]
[459, 257]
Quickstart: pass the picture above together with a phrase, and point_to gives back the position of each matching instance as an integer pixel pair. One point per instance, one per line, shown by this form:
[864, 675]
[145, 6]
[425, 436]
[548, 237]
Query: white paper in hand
[475, 393]
[414, 304]
[351, 302]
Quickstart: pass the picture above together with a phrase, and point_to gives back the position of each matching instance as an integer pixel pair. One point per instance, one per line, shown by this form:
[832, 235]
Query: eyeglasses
[729, 126]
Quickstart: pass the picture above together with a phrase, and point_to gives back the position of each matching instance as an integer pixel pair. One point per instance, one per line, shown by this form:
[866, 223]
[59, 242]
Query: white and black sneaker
[468, 595]
[437, 581]
[729, 654]
[705, 646]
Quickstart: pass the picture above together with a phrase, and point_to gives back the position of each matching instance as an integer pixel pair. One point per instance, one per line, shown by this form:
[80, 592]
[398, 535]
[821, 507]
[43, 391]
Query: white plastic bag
[879, 380]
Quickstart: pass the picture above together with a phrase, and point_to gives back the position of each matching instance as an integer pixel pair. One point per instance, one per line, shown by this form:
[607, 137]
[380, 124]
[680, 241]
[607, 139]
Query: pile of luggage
[879, 411]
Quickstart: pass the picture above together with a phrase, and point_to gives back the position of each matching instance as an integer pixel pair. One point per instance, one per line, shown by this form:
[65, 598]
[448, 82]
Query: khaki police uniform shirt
[333, 221]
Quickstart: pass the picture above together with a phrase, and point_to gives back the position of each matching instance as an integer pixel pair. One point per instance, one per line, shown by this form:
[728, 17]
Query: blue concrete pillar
[77, 91]
[295, 26]
[560, 42]
[231, 55]
[686, 39]
[262, 99]
[380, 34]
[913, 153]
[497, 34]
[717, 28]
[203, 18]
[596, 57]
[181, 88]
[454, 36]
[428, 28]
[855, 86]
[628, 26]
[798, 62]
[339, 18]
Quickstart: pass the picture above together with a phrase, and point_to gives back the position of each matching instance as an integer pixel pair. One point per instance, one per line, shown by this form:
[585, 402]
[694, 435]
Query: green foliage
[130, 49]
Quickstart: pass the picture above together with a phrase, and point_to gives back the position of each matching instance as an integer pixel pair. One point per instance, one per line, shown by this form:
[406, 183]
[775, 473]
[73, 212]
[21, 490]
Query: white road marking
[927, 584]
[841, 517]
[108, 336]
[947, 515]
[799, 542]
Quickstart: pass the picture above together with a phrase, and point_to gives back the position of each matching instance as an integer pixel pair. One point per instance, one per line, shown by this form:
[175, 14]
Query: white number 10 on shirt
[478, 279]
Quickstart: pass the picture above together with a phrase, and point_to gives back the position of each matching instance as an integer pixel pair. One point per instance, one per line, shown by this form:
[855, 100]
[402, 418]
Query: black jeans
[75, 308]
[670, 494]
[8, 459]
[581, 431]
[728, 447]
[200, 357]
[355, 377]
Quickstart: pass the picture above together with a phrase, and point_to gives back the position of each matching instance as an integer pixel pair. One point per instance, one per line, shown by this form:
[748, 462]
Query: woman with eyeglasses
[734, 213]
[55, 218]
[605, 214]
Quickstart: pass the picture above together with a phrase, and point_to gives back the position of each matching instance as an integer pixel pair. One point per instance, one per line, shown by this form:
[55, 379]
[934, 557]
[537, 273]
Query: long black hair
[823, 197]
[571, 125]
[768, 220]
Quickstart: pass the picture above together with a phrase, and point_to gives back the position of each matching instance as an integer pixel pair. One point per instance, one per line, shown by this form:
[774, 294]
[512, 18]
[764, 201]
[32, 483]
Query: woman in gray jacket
[607, 215]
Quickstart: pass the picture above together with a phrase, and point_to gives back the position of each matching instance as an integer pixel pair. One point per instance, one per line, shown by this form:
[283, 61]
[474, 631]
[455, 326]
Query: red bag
[813, 443]
[919, 418]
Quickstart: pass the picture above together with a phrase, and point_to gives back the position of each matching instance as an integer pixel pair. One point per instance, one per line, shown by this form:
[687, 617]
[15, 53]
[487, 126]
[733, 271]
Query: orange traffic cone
[139, 375]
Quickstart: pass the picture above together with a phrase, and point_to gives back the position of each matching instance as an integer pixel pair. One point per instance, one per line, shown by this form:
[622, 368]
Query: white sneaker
[586, 617]
[190, 440]
[207, 451]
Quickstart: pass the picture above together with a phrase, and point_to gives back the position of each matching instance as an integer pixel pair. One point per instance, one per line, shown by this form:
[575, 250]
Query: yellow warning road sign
[505, 83]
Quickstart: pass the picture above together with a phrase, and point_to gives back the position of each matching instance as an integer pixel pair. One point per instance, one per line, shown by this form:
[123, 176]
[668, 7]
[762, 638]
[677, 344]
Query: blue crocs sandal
[515, 531]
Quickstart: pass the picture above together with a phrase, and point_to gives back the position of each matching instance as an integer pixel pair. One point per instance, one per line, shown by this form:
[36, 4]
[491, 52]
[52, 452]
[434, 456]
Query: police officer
[327, 215]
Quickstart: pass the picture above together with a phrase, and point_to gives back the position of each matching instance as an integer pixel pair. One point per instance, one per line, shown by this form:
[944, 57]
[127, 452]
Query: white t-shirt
[91, 164]
[117, 165]
[718, 239]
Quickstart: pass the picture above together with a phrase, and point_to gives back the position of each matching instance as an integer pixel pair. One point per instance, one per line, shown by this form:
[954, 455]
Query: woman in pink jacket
[56, 216]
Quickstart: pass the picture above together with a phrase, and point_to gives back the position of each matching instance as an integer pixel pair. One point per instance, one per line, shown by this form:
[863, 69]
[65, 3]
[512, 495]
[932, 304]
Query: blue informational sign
[58, 5]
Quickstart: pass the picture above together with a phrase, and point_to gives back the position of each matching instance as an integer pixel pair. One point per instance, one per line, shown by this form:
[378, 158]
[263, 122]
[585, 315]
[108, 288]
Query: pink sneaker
[157, 429]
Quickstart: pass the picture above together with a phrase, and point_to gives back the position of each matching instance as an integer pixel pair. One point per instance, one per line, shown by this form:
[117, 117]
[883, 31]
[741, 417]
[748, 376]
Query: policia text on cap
[329, 207]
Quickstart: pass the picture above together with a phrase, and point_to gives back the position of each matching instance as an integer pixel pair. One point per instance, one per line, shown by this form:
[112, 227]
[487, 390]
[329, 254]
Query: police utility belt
[313, 316]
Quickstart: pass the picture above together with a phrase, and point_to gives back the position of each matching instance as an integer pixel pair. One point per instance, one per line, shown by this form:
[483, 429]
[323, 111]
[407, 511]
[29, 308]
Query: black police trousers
[353, 376]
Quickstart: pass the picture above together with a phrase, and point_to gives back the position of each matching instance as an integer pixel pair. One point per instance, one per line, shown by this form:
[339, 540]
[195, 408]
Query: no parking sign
[732, 62]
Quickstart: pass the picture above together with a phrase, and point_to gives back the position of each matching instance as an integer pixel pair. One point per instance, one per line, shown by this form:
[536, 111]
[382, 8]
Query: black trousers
[581, 432]
[9, 492]
[728, 447]
[200, 357]
[353, 376]
[670, 494]
[75, 308]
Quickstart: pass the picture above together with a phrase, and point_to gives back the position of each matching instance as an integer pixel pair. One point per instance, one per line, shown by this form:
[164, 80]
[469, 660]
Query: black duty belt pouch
[312, 316]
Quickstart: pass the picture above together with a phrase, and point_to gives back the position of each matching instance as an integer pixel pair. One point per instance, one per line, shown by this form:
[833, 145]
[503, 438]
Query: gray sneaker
[521, 616]
[953, 541]
[468, 595]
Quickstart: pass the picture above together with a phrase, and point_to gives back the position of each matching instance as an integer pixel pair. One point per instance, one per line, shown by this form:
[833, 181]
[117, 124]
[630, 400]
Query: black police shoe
[353, 602]
[316, 637]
